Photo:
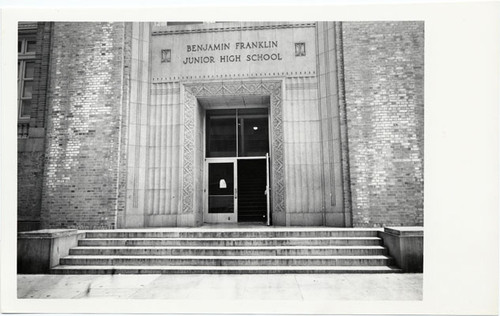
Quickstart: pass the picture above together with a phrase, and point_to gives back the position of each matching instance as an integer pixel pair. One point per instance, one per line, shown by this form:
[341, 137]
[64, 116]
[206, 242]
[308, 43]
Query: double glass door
[236, 165]
[237, 190]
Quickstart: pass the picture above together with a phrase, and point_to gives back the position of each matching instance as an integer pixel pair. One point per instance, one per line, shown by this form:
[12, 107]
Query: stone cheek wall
[83, 132]
[384, 82]
[31, 136]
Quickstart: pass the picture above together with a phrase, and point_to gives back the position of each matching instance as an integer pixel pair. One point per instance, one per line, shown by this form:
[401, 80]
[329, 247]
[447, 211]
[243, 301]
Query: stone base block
[306, 219]
[406, 246]
[40, 250]
[335, 220]
[187, 220]
[132, 221]
[278, 219]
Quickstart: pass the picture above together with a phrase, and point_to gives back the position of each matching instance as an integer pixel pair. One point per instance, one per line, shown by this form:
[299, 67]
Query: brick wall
[32, 132]
[29, 189]
[384, 81]
[84, 126]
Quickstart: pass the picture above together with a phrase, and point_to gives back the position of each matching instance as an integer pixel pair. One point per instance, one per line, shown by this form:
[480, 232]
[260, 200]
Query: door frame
[220, 217]
[230, 217]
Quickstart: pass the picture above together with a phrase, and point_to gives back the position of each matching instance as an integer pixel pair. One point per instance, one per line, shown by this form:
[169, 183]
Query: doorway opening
[237, 190]
[252, 187]
[237, 165]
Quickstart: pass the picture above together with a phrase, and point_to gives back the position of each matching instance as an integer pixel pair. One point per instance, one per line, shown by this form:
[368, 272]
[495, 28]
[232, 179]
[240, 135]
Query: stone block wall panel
[336, 195]
[303, 148]
[137, 128]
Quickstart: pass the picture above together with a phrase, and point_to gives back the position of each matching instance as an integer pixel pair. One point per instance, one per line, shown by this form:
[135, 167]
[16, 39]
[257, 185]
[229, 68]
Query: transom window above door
[237, 132]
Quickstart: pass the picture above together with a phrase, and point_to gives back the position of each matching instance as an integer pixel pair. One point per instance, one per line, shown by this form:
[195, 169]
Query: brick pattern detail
[384, 69]
[80, 182]
[30, 147]
[29, 185]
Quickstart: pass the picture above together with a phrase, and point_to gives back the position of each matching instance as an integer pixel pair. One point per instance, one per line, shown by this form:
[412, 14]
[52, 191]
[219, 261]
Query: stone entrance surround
[164, 139]
[194, 153]
[165, 186]
[165, 167]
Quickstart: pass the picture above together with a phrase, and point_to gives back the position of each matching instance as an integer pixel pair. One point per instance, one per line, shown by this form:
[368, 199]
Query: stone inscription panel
[234, 52]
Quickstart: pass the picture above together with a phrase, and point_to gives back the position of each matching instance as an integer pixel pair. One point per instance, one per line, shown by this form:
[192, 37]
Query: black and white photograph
[183, 160]
[289, 149]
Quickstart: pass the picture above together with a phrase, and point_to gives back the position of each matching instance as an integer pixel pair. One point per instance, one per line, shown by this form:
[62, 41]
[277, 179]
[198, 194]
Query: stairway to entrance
[262, 250]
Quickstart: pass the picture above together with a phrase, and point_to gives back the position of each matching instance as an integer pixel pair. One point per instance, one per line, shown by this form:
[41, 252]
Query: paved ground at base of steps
[302, 287]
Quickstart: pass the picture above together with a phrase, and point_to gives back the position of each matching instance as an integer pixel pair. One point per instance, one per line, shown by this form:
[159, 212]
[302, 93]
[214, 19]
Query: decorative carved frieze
[188, 184]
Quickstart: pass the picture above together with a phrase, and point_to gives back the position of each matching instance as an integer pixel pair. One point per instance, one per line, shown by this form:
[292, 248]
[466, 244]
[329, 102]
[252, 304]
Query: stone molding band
[234, 29]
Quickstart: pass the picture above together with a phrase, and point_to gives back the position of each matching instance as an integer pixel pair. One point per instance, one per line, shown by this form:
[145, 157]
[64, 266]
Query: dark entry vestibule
[237, 149]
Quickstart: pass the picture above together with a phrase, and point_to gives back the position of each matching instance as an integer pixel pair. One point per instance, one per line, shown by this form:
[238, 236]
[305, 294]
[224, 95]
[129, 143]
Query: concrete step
[229, 260]
[232, 251]
[233, 233]
[241, 250]
[293, 241]
[220, 269]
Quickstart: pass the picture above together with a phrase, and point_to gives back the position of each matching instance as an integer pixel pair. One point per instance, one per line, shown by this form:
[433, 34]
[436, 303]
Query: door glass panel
[253, 136]
[251, 177]
[26, 108]
[30, 46]
[221, 133]
[221, 188]
[28, 87]
[237, 133]
[30, 70]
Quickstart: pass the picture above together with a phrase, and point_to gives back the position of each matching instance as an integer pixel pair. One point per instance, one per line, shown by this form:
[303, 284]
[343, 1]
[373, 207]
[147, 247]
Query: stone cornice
[230, 27]
[27, 27]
